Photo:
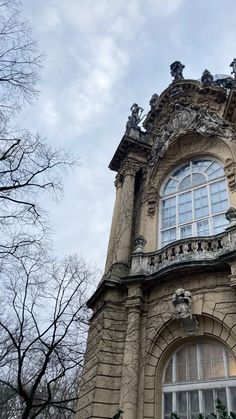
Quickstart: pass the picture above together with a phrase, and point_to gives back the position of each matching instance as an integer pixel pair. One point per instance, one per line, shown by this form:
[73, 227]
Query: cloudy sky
[101, 56]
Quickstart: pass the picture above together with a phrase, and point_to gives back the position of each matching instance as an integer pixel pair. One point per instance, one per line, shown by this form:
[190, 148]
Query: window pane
[219, 198]
[219, 223]
[217, 361]
[203, 228]
[192, 363]
[214, 171]
[206, 361]
[197, 179]
[193, 403]
[201, 202]
[231, 365]
[200, 165]
[185, 207]
[168, 373]
[181, 403]
[186, 231]
[186, 183]
[181, 364]
[168, 212]
[221, 395]
[233, 398]
[208, 403]
[167, 403]
[168, 236]
[170, 187]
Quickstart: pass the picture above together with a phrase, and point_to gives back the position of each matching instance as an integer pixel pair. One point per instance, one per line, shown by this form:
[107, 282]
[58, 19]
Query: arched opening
[194, 199]
[196, 375]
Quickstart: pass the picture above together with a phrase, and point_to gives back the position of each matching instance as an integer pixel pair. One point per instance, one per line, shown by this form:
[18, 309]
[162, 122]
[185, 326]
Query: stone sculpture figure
[233, 65]
[136, 112]
[207, 78]
[176, 70]
[182, 303]
[153, 101]
[134, 118]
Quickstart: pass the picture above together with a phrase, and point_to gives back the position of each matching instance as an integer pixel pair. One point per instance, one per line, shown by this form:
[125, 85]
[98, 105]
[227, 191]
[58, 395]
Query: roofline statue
[176, 70]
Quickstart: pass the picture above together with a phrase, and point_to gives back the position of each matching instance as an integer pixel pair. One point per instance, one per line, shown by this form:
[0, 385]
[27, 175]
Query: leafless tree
[43, 320]
[28, 166]
[19, 59]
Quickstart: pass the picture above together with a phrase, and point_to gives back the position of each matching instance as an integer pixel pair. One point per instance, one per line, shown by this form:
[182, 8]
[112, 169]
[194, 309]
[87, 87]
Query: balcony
[195, 252]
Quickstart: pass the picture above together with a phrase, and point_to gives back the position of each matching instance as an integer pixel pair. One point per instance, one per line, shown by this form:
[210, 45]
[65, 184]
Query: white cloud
[165, 7]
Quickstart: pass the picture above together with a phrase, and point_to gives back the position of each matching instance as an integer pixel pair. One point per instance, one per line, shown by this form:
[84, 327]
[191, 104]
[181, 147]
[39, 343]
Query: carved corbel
[230, 173]
[152, 200]
[182, 302]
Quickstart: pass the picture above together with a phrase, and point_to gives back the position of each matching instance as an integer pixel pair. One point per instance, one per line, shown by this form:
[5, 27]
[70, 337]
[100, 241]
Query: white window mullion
[174, 401]
[174, 368]
[229, 407]
[200, 398]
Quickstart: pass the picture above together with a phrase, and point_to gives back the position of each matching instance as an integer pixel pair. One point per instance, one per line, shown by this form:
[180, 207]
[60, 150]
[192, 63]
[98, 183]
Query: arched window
[194, 200]
[195, 376]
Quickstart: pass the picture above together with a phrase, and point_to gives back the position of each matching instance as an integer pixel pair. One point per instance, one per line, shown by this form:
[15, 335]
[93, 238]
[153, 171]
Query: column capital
[130, 167]
[118, 180]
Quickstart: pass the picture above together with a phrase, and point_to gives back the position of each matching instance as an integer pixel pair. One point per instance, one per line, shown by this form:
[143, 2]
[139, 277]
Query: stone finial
[176, 70]
[230, 215]
[182, 302]
[153, 101]
[233, 65]
[207, 78]
[139, 244]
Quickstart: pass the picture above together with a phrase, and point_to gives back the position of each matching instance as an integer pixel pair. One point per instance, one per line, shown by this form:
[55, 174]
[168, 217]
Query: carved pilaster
[129, 384]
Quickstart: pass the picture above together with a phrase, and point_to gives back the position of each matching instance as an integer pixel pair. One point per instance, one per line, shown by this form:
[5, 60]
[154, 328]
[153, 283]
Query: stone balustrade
[188, 251]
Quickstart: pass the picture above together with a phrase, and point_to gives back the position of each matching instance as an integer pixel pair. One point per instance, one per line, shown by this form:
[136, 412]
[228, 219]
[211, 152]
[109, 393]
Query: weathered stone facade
[134, 328]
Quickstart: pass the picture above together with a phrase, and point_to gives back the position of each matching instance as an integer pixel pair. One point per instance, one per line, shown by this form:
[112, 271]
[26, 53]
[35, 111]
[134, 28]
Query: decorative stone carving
[176, 70]
[153, 101]
[185, 120]
[230, 173]
[182, 302]
[139, 244]
[129, 167]
[118, 181]
[207, 78]
[233, 65]
[231, 215]
[151, 198]
[135, 118]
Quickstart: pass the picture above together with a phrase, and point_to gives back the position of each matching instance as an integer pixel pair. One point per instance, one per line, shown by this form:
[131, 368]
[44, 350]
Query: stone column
[124, 226]
[115, 218]
[130, 371]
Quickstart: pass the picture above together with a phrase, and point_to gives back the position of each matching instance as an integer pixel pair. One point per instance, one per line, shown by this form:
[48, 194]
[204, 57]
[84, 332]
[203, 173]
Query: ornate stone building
[163, 331]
